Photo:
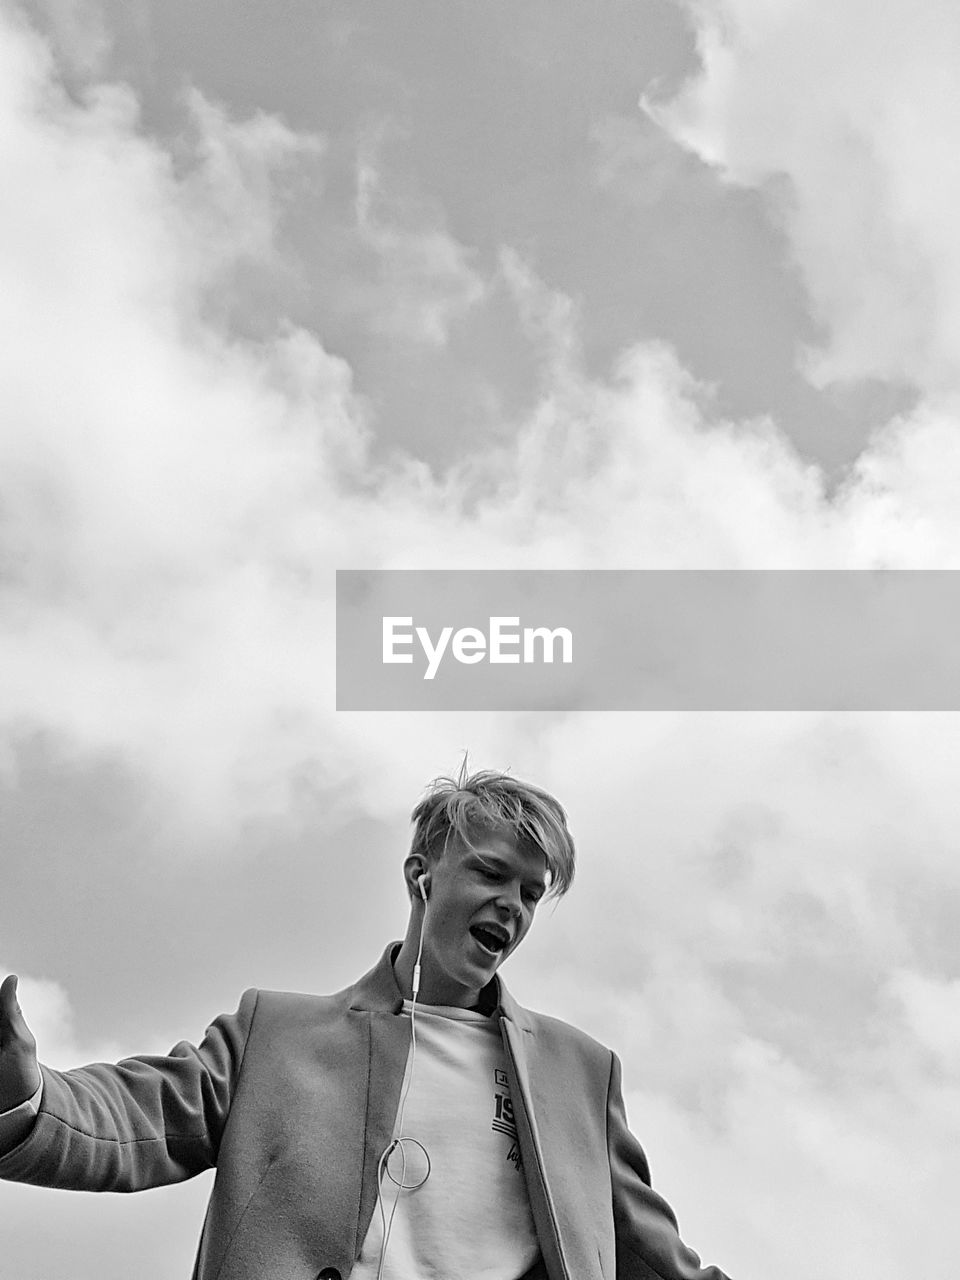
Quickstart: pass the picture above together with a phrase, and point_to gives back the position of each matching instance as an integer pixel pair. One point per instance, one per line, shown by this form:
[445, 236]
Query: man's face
[480, 907]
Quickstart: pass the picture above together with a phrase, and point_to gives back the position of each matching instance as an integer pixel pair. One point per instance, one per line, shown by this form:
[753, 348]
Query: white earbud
[422, 886]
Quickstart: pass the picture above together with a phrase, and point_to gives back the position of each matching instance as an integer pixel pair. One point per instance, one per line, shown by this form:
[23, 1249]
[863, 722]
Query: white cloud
[148, 460]
[638, 158]
[425, 279]
[231, 184]
[931, 1010]
[77, 34]
[846, 114]
[176, 498]
[49, 1014]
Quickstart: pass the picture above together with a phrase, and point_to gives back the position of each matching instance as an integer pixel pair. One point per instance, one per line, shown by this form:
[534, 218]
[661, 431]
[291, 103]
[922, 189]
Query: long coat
[293, 1098]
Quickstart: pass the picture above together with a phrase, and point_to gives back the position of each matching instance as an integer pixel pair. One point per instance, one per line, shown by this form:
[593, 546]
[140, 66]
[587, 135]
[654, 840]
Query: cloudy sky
[300, 285]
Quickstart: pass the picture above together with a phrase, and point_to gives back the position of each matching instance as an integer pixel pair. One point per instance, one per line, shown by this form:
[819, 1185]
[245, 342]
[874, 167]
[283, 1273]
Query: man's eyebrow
[489, 860]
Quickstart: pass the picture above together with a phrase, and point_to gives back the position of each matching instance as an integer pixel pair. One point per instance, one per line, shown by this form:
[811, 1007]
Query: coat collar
[378, 992]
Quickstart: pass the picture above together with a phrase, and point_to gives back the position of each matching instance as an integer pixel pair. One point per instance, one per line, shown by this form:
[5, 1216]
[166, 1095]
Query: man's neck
[484, 1001]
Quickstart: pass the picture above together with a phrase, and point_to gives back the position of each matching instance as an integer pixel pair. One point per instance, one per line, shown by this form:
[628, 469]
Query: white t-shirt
[470, 1219]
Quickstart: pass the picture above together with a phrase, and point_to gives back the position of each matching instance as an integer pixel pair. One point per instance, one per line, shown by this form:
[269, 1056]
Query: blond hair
[491, 803]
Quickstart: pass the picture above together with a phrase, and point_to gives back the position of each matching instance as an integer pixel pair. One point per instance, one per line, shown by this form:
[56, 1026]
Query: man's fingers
[8, 992]
[19, 1070]
[11, 1017]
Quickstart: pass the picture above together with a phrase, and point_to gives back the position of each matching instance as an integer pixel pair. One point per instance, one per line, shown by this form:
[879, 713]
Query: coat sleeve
[142, 1122]
[648, 1242]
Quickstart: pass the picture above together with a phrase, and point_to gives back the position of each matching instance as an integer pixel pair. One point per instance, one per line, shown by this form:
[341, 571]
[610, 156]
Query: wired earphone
[397, 1144]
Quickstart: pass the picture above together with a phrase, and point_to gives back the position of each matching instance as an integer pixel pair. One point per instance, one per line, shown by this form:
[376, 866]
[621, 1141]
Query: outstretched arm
[139, 1123]
[648, 1241]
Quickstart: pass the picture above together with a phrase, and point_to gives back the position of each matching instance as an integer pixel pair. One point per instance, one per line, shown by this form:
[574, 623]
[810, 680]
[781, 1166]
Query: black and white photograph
[479, 676]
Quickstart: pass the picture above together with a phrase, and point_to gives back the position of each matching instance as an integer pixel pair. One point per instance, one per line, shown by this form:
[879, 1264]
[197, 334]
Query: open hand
[19, 1072]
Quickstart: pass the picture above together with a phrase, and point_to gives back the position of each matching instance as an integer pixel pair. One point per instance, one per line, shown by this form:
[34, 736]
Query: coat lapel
[389, 1045]
[377, 999]
[541, 1203]
[520, 1046]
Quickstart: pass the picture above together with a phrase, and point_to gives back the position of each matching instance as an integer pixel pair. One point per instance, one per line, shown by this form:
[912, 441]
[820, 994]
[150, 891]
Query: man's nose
[509, 900]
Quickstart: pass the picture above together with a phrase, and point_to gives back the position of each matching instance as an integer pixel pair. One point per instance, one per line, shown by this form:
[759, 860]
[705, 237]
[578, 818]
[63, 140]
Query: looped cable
[403, 1184]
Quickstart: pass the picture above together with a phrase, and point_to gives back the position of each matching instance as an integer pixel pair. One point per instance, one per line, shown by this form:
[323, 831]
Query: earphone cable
[398, 1140]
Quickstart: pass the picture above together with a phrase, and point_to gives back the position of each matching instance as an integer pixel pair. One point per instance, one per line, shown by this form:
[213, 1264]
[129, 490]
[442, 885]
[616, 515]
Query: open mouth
[490, 937]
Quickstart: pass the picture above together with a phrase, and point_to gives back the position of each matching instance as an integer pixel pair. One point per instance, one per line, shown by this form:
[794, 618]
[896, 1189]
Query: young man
[418, 1124]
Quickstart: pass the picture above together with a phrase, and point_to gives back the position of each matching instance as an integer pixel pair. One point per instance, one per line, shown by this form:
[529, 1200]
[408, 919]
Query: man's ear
[413, 868]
